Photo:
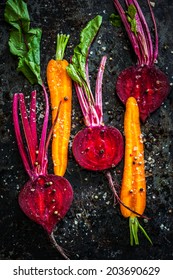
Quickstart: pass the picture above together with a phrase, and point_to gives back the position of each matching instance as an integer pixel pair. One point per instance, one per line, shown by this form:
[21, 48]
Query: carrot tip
[134, 225]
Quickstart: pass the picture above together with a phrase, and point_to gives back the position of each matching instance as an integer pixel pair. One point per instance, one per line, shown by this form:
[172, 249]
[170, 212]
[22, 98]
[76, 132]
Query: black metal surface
[94, 227]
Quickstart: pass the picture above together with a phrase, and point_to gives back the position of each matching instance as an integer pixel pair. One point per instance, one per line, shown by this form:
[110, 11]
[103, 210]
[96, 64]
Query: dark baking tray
[93, 228]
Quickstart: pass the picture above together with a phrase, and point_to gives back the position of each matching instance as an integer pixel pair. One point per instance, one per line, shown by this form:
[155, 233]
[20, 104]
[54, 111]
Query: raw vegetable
[45, 198]
[60, 87]
[97, 146]
[133, 189]
[144, 81]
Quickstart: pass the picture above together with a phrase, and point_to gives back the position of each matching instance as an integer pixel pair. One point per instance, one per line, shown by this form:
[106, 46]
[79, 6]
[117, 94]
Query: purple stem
[145, 42]
[142, 42]
[92, 109]
[19, 136]
[155, 54]
[131, 35]
[93, 116]
[42, 157]
[27, 130]
[57, 246]
[98, 89]
[32, 118]
[112, 186]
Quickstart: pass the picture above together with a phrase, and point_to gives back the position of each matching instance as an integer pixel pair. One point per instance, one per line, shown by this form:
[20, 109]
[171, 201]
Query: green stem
[134, 225]
[62, 40]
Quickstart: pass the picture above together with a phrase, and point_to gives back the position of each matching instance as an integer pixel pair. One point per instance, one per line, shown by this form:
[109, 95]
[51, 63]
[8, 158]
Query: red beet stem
[57, 246]
[92, 109]
[42, 154]
[143, 35]
[35, 163]
[32, 118]
[98, 89]
[27, 130]
[131, 35]
[155, 54]
[141, 41]
[116, 196]
[19, 136]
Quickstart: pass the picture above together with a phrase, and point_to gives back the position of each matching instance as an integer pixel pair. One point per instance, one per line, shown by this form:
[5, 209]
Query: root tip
[57, 246]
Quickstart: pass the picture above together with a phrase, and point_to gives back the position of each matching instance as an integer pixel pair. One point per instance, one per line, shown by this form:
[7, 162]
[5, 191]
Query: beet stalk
[45, 198]
[144, 81]
[96, 147]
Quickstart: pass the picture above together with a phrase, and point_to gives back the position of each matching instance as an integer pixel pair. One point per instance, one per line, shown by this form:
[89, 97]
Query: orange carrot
[60, 87]
[133, 190]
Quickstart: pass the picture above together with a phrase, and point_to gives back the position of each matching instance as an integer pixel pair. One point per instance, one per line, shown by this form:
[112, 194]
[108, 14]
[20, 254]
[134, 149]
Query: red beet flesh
[147, 84]
[46, 200]
[98, 147]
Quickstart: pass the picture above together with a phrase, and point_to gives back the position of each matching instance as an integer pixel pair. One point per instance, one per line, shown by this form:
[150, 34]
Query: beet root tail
[116, 196]
[57, 246]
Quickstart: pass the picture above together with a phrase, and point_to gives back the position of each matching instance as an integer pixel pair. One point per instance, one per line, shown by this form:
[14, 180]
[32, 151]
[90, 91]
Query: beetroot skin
[147, 84]
[98, 148]
[46, 200]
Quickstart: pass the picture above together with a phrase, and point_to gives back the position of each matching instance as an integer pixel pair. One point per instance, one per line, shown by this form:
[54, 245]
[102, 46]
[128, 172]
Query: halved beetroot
[147, 84]
[98, 147]
[46, 200]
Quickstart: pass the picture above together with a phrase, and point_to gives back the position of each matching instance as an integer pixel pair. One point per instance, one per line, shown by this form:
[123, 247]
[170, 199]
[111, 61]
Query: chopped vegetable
[60, 87]
[133, 189]
[96, 147]
[145, 82]
[45, 198]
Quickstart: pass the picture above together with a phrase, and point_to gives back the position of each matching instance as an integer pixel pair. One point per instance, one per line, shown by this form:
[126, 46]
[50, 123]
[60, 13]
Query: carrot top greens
[62, 40]
[24, 41]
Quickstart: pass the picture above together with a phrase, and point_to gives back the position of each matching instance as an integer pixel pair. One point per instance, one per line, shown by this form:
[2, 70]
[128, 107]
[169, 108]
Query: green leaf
[16, 13]
[76, 68]
[62, 40]
[115, 20]
[133, 26]
[24, 42]
[131, 13]
[16, 43]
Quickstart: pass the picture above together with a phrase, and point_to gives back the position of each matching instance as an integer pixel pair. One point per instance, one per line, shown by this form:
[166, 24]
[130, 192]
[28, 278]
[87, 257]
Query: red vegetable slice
[46, 200]
[147, 84]
[98, 148]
